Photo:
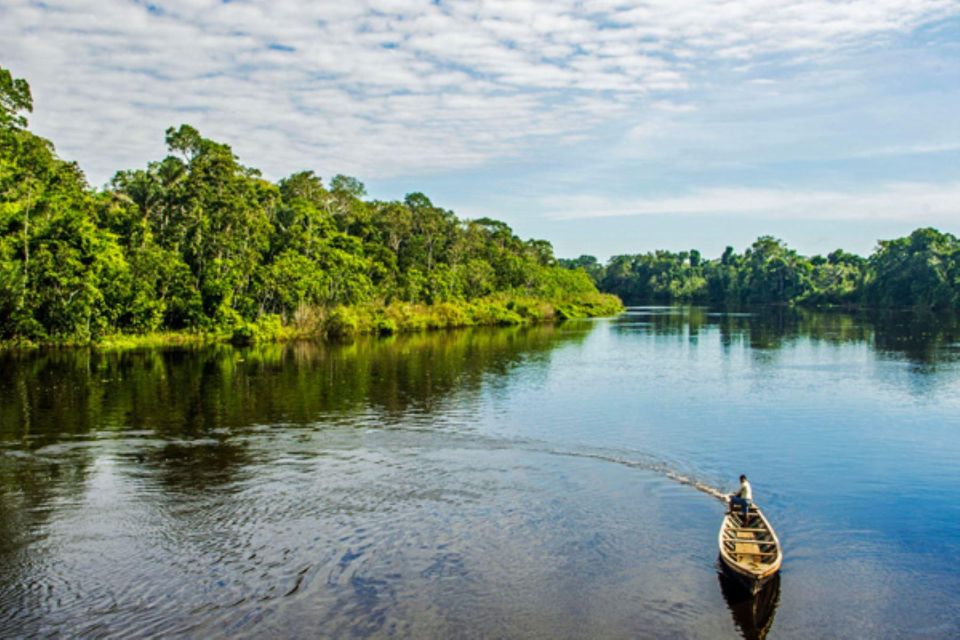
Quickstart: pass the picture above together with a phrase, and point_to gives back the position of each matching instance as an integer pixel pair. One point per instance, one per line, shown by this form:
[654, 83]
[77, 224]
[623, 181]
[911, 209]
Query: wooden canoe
[749, 549]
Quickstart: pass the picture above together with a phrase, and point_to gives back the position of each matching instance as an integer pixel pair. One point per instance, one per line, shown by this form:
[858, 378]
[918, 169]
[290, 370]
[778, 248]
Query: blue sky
[603, 126]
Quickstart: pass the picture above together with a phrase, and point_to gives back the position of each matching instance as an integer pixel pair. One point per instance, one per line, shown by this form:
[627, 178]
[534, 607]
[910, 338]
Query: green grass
[497, 310]
[367, 319]
[119, 342]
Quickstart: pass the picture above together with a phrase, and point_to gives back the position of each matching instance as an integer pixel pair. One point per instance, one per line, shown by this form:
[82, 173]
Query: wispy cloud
[896, 201]
[397, 87]
[908, 150]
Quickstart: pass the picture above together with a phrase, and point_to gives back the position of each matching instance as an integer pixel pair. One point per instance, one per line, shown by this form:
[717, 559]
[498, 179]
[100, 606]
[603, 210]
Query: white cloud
[393, 87]
[909, 150]
[896, 201]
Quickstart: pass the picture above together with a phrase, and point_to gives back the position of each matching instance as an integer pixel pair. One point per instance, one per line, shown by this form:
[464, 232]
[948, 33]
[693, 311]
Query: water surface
[509, 483]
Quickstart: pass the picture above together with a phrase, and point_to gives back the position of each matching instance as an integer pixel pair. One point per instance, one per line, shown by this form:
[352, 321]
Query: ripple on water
[559, 490]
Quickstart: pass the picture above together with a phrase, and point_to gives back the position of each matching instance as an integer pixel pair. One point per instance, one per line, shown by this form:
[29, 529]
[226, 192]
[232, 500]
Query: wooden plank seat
[749, 547]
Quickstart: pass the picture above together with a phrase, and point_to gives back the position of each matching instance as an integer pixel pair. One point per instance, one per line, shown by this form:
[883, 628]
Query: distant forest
[197, 242]
[921, 270]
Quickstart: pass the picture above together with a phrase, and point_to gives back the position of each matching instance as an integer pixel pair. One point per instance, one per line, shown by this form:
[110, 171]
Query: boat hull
[750, 582]
[749, 549]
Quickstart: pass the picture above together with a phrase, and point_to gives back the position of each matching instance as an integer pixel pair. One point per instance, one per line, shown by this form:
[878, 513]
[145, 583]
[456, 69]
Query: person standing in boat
[742, 498]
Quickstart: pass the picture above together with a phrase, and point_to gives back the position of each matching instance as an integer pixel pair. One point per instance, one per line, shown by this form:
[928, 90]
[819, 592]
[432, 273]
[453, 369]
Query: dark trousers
[744, 504]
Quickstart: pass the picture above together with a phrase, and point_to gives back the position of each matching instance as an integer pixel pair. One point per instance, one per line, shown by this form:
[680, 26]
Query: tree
[220, 217]
[15, 98]
[774, 273]
[917, 271]
[588, 263]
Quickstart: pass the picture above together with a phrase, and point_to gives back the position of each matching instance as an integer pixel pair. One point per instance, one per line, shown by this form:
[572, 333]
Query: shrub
[386, 326]
[343, 322]
[244, 334]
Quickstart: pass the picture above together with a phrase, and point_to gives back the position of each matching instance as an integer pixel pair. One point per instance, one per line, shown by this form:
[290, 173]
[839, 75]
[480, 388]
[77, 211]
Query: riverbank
[342, 322]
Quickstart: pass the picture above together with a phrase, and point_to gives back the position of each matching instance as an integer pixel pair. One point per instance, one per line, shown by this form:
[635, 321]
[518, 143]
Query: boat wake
[648, 465]
[628, 458]
[632, 459]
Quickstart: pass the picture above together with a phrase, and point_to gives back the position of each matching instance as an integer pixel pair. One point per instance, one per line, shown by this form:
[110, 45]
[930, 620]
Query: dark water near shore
[508, 483]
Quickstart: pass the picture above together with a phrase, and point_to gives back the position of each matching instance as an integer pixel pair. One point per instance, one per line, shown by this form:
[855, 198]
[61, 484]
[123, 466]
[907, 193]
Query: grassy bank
[367, 319]
[503, 310]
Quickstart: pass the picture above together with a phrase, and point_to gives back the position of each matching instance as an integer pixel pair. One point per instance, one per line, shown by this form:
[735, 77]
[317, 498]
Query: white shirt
[746, 492]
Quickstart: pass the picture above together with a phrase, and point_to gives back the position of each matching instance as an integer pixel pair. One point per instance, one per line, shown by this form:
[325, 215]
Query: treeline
[198, 242]
[921, 270]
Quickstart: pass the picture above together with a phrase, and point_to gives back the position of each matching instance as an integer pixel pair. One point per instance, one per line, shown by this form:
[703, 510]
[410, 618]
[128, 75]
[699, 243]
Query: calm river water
[507, 483]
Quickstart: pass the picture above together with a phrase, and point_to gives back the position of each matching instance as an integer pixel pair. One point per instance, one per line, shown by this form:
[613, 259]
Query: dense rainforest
[921, 270]
[200, 244]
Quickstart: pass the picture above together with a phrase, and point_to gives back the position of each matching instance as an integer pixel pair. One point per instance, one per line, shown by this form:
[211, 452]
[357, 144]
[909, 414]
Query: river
[542, 482]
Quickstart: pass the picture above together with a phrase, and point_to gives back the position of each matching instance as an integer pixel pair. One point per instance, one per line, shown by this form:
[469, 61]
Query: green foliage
[267, 328]
[659, 276]
[386, 326]
[921, 271]
[343, 322]
[61, 274]
[14, 98]
[589, 264]
[200, 244]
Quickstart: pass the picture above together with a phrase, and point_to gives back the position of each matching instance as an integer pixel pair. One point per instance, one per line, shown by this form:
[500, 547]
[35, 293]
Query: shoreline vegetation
[920, 271]
[197, 248]
[347, 322]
